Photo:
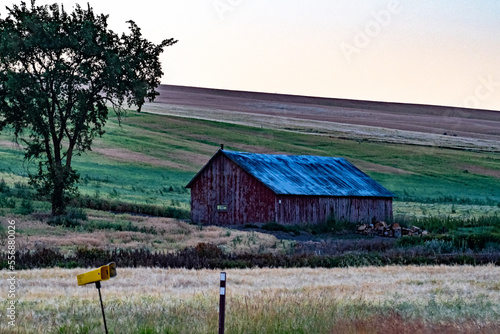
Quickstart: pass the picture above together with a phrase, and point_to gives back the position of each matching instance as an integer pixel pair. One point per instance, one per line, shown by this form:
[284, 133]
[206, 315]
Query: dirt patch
[122, 154]
[93, 240]
[481, 171]
[10, 144]
[373, 167]
[196, 159]
[256, 149]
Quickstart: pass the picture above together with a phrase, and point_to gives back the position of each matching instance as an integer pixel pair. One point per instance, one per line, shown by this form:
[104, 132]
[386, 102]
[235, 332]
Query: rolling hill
[150, 157]
[376, 121]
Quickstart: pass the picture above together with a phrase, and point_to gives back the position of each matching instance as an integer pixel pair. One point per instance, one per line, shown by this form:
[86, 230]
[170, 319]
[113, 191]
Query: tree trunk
[58, 204]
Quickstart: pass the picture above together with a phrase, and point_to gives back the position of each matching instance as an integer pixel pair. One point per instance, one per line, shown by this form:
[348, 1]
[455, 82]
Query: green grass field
[150, 158]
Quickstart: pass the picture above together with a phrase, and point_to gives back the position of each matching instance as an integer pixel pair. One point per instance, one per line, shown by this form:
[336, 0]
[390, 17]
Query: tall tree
[59, 73]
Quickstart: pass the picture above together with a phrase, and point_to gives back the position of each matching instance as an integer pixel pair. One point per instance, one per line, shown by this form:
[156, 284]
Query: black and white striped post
[222, 302]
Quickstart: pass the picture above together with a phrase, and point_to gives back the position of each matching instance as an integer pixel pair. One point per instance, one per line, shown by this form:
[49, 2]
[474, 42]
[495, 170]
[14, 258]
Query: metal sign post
[222, 302]
[102, 273]
[98, 287]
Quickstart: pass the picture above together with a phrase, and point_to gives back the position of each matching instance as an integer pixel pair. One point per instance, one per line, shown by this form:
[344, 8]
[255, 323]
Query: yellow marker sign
[112, 269]
[100, 274]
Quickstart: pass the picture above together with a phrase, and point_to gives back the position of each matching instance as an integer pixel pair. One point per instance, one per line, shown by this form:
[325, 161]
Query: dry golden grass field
[412, 299]
[156, 234]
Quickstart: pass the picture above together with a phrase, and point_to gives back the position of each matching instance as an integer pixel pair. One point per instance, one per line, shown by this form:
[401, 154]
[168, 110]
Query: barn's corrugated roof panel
[308, 175]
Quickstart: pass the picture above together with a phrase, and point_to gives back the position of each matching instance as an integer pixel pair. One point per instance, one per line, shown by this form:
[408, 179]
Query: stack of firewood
[392, 231]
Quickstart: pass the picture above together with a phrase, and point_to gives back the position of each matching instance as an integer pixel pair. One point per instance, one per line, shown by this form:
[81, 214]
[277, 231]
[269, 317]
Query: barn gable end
[223, 193]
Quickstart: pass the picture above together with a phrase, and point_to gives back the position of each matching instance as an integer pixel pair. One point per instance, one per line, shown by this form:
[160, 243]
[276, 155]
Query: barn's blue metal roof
[308, 175]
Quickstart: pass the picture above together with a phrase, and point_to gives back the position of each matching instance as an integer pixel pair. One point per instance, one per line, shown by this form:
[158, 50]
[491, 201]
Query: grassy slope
[185, 145]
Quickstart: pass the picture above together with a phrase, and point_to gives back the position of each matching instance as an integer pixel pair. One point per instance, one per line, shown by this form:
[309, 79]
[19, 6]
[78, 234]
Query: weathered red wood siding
[223, 182]
[316, 209]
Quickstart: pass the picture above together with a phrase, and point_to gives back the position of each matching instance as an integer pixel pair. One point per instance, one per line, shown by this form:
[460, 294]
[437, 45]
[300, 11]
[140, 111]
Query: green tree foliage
[59, 73]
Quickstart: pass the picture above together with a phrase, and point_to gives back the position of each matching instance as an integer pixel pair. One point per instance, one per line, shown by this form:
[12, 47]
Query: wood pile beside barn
[393, 230]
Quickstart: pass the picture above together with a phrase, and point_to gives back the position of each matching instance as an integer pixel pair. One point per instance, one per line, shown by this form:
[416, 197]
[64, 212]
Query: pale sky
[440, 52]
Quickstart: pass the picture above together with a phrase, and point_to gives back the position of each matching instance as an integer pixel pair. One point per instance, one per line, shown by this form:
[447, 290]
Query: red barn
[239, 188]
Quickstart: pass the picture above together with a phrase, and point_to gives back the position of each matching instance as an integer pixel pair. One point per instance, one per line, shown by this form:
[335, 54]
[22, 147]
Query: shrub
[274, 227]
[331, 226]
[7, 202]
[439, 246]
[71, 219]
[293, 229]
[5, 189]
[478, 241]
[208, 250]
[63, 221]
[76, 214]
[23, 190]
[26, 207]
[209, 256]
[492, 247]
[459, 241]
